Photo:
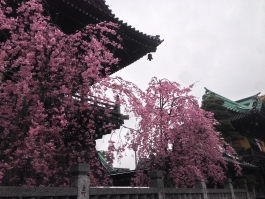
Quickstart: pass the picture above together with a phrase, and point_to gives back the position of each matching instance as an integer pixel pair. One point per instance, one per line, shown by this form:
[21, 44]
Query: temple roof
[244, 106]
[72, 15]
[104, 162]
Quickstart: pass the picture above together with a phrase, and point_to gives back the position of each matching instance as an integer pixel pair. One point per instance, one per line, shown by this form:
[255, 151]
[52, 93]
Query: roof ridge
[101, 5]
[120, 22]
[220, 96]
[256, 95]
[238, 105]
[230, 104]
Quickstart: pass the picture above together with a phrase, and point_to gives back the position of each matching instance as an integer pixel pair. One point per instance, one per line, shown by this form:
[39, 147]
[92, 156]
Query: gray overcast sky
[220, 43]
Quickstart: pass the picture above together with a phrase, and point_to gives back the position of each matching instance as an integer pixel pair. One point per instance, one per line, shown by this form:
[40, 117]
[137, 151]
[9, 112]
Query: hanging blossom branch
[176, 136]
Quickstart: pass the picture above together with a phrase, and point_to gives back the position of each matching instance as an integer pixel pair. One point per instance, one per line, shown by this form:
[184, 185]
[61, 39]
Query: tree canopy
[46, 109]
[177, 137]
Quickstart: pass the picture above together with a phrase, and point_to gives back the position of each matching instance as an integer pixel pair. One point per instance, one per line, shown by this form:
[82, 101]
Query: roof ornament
[149, 57]
[254, 104]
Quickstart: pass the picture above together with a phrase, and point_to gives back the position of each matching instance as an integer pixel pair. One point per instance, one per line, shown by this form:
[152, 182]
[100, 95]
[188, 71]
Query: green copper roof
[247, 105]
[104, 162]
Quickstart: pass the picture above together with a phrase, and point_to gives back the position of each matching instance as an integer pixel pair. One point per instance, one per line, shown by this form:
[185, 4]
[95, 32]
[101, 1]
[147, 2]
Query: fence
[79, 189]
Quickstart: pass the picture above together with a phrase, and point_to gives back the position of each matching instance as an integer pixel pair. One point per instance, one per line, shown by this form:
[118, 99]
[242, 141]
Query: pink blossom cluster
[45, 81]
[174, 135]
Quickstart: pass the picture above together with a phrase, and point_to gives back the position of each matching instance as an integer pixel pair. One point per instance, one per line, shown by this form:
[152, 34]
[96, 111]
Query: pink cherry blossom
[173, 135]
[42, 124]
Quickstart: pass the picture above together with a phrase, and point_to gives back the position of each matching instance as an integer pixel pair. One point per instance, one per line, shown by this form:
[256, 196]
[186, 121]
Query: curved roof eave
[238, 106]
